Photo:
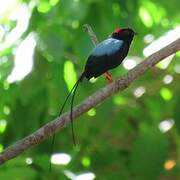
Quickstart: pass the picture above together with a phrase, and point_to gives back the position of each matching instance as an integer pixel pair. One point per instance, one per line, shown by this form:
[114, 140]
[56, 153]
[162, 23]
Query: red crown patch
[117, 30]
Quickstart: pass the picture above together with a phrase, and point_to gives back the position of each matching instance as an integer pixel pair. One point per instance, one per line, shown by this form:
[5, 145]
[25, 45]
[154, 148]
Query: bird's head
[125, 34]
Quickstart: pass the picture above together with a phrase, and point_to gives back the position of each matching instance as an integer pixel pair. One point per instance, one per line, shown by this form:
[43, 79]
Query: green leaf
[145, 17]
[149, 154]
[166, 94]
[22, 173]
[69, 74]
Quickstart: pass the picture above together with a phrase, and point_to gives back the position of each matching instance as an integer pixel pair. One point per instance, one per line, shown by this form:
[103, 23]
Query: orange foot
[108, 77]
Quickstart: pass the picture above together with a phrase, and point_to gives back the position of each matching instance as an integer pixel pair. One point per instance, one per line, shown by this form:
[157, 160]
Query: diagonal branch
[61, 122]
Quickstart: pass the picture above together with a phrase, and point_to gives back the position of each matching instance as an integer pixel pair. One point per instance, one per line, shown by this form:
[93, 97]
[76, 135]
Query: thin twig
[87, 28]
[61, 122]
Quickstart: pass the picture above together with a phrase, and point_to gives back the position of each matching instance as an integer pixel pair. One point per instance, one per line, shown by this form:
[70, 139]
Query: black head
[125, 34]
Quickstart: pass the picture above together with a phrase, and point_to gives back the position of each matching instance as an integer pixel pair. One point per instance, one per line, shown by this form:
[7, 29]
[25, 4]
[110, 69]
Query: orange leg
[108, 77]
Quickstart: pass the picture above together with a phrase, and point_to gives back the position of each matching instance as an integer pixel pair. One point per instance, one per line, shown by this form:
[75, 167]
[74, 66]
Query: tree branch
[87, 28]
[61, 122]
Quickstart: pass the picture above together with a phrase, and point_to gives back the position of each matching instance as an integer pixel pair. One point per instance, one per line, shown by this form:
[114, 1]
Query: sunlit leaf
[70, 76]
[53, 2]
[44, 6]
[157, 11]
[91, 112]
[178, 54]
[119, 100]
[165, 63]
[6, 110]
[3, 124]
[86, 162]
[145, 17]
[75, 24]
[151, 13]
[166, 94]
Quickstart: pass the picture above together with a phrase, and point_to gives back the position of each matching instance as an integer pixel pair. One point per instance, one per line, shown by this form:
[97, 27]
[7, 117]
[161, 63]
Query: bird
[107, 55]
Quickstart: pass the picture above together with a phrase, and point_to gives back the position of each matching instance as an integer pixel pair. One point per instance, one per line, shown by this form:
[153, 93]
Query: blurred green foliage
[119, 139]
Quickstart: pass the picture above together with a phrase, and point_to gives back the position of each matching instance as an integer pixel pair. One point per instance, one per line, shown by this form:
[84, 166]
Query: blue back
[107, 47]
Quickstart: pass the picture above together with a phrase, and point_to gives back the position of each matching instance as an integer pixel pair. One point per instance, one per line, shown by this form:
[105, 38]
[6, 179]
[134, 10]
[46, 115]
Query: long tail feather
[72, 102]
[60, 112]
[73, 90]
[71, 114]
